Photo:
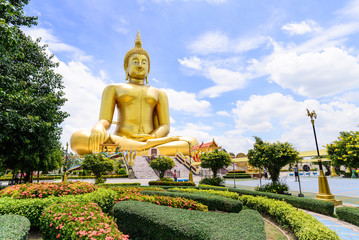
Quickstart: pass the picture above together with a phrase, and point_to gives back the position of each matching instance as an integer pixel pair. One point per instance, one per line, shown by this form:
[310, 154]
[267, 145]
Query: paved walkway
[345, 189]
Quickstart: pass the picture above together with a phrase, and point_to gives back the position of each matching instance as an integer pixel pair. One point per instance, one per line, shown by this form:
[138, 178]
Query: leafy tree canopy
[162, 164]
[215, 160]
[345, 150]
[98, 164]
[272, 156]
[31, 96]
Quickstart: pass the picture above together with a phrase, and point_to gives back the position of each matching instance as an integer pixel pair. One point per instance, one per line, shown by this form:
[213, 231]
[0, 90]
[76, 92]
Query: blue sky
[232, 69]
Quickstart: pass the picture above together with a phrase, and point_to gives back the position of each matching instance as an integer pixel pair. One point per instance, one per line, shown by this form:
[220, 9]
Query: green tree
[345, 150]
[31, 95]
[99, 165]
[162, 164]
[272, 156]
[215, 160]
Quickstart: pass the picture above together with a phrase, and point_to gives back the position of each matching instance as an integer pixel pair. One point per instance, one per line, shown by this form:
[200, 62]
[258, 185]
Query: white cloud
[55, 45]
[218, 42]
[285, 119]
[193, 62]
[314, 74]
[223, 113]
[83, 91]
[307, 26]
[187, 103]
[225, 80]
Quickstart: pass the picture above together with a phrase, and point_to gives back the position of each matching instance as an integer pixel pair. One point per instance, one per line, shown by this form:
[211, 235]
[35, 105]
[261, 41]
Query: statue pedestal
[324, 191]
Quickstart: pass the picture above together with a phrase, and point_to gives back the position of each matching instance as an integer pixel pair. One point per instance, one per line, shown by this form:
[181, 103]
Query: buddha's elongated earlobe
[146, 80]
[127, 76]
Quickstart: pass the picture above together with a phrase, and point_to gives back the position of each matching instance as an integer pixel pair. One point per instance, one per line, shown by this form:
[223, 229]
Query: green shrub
[313, 205]
[160, 222]
[29, 208]
[78, 220]
[304, 226]
[213, 202]
[348, 214]
[167, 183]
[94, 177]
[215, 181]
[121, 171]
[14, 227]
[274, 187]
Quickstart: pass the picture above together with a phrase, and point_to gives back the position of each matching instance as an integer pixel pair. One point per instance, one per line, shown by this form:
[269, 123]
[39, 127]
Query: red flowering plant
[43, 189]
[129, 190]
[74, 220]
[176, 202]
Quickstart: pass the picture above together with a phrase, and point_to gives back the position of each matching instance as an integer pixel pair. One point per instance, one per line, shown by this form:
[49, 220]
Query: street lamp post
[234, 177]
[64, 177]
[324, 190]
[190, 176]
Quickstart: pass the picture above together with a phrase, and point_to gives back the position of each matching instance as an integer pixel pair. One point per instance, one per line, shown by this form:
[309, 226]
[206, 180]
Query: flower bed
[213, 202]
[176, 202]
[43, 190]
[74, 220]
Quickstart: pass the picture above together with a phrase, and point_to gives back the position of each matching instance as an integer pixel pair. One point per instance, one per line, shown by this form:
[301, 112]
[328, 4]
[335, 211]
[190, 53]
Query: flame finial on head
[138, 42]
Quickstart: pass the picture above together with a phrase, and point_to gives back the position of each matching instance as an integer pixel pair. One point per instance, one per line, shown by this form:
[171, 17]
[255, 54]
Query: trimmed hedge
[304, 226]
[103, 176]
[160, 222]
[14, 227]
[313, 205]
[348, 214]
[237, 175]
[168, 183]
[212, 201]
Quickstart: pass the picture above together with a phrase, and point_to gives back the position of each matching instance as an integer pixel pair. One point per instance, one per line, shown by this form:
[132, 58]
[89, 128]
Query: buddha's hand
[98, 136]
[143, 137]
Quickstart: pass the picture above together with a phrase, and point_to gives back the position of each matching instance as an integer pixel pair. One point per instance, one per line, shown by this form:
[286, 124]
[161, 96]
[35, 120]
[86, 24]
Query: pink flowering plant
[43, 189]
[176, 202]
[74, 220]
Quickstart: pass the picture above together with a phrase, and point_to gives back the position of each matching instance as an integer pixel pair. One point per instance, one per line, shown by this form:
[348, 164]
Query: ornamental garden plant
[162, 164]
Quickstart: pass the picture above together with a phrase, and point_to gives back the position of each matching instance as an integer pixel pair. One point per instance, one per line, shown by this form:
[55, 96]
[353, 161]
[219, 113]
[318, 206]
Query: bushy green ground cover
[149, 221]
[170, 183]
[304, 226]
[14, 227]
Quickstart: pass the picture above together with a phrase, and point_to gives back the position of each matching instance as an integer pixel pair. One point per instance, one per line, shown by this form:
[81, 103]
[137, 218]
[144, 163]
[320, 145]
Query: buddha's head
[135, 59]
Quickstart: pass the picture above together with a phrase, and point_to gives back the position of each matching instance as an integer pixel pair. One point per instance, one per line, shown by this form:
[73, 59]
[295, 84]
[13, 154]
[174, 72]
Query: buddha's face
[138, 66]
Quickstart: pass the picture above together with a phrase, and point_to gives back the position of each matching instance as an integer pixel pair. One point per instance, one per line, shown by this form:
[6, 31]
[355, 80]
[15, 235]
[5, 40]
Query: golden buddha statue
[143, 114]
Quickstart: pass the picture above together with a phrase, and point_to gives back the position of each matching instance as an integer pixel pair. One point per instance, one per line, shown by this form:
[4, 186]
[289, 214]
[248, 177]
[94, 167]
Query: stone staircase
[182, 170]
[142, 169]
